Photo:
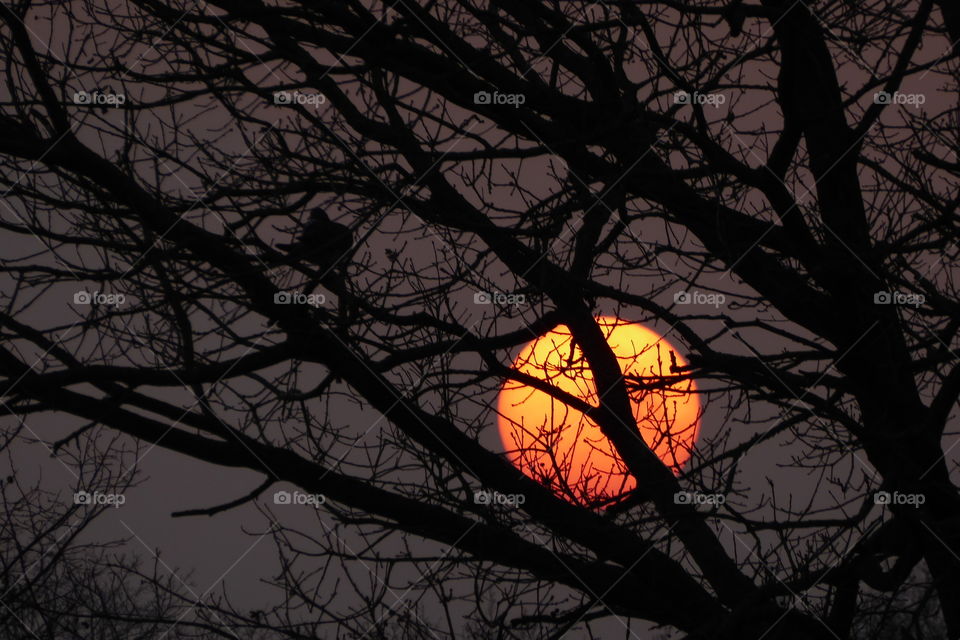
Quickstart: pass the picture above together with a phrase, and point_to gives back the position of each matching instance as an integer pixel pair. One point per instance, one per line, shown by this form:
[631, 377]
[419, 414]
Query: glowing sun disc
[566, 451]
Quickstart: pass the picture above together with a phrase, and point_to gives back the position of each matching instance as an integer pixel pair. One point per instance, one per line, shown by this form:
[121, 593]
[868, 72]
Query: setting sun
[563, 449]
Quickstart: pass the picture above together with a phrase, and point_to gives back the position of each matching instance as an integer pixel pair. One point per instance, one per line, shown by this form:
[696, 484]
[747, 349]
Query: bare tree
[770, 184]
[57, 581]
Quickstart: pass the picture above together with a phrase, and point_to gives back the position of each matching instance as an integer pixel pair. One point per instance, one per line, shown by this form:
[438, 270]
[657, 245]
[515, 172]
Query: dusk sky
[479, 320]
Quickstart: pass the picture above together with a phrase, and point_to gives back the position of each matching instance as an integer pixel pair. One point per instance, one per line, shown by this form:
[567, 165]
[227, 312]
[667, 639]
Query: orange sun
[566, 451]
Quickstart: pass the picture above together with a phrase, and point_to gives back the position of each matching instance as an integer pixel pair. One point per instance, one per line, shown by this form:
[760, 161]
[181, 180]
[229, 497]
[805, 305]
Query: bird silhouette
[322, 242]
[328, 246]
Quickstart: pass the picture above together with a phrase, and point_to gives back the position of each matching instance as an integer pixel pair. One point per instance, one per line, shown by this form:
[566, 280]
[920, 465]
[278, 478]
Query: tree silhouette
[769, 184]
